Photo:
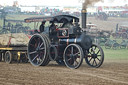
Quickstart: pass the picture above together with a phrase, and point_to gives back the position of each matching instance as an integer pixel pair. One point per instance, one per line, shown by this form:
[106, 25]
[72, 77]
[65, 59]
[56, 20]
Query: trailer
[11, 54]
[13, 47]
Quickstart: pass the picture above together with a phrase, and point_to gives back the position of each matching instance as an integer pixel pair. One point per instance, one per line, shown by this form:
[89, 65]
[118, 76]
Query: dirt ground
[111, 73]
[114, 72]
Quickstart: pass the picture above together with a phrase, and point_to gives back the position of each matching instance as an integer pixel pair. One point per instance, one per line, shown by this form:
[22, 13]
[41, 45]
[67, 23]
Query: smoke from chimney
[89, 2]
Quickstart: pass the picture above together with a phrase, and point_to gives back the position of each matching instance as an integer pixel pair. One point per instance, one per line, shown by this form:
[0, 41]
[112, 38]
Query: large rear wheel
[38, 50]
[73, 56]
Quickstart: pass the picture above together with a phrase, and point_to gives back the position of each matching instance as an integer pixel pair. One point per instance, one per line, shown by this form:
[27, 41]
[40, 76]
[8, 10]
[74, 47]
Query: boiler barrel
[83, 40]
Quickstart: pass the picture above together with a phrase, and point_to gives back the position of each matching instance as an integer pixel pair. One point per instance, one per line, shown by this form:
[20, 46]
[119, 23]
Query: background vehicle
[121, 32]
[98, 36]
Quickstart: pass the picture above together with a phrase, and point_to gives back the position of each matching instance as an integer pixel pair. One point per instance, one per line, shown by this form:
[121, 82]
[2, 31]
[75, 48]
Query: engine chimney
[83, 16]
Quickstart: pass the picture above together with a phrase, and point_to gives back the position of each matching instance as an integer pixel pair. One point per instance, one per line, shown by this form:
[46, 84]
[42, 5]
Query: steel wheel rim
[8, 57]
[95, 56]
[36, 50]
[73, 56]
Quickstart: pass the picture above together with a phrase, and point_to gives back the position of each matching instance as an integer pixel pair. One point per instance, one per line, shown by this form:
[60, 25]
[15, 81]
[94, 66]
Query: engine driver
[52, 31]
[42, 27]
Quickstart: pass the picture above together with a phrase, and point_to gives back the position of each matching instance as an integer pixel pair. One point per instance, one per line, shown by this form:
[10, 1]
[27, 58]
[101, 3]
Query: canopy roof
[10, 20]
[58, 19]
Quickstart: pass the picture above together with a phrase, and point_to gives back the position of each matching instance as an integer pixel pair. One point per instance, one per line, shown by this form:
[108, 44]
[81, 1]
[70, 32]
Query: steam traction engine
[66, 44]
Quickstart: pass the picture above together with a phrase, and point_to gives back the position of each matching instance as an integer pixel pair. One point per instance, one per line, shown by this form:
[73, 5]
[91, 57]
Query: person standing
[42, 27]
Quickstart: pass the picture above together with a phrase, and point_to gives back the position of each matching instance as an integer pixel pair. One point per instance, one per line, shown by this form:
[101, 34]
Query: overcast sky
[60, 2]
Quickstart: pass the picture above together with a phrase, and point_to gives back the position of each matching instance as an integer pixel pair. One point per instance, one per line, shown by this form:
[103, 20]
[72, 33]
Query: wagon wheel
[8, 57]
[115, 46]
[95, 56]
[73, 56]
[37, 50]
[124, 35]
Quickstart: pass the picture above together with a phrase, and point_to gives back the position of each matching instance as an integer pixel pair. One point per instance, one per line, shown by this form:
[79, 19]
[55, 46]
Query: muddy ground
[112, 72]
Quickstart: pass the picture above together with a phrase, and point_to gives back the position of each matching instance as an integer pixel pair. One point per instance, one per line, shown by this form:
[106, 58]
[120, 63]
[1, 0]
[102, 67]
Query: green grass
[119, 54]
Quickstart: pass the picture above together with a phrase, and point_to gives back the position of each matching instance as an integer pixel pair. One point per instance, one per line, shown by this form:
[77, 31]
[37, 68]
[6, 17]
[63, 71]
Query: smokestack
[83, 17]
[84, 11]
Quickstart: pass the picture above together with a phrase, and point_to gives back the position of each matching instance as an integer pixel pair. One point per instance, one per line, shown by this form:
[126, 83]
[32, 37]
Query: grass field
[119, 54]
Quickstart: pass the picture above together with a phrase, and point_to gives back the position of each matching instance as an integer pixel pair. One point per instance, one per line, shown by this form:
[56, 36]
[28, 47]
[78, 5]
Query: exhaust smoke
[89, 2]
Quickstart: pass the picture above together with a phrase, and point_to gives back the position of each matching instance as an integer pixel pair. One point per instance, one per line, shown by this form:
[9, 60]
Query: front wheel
[73, 56]
[95, 56]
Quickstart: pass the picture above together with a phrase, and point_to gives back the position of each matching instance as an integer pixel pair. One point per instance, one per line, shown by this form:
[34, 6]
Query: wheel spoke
[38, 45]
[98, 51]
[35, 57]
[40, 59]
[33, 52]
[72, 50]
[42, 48]
[90, 59]
[95, 62]
[76, 53]
[98, 58]
[69, 59]
[41, 44]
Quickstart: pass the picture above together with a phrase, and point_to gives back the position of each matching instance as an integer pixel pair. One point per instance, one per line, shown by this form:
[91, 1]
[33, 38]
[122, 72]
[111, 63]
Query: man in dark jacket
[42, 27]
